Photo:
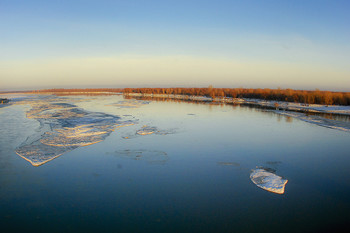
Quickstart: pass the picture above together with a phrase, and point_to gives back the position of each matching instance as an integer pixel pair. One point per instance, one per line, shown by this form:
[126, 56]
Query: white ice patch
[38, 154]
[63, 127]
[125, 124]
[268, 181]
[146, 130]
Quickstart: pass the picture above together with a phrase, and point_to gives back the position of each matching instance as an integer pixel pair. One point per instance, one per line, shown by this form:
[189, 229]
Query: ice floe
[147, 130]
[63, 127]
[268, 181]
[126, 123]
[130, 103]
[38, 153]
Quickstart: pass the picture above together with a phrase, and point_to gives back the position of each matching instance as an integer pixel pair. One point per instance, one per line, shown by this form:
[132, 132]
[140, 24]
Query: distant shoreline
[284, 95]
[330, 116]
[272, 97]
[278, 105]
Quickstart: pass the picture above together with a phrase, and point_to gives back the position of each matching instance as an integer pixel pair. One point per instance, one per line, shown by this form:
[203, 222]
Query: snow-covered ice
[37, 153]
[268, 180]
[146, 130]
[63, 127]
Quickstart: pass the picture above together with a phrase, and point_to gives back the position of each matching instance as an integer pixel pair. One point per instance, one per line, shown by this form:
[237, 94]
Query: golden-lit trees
[300, 96]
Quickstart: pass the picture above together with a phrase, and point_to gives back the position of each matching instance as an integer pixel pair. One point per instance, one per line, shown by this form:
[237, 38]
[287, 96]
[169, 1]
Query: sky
[183, 43]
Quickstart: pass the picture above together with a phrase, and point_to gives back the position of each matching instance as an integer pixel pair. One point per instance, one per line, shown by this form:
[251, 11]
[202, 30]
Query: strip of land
[280, 99]
[278, 105]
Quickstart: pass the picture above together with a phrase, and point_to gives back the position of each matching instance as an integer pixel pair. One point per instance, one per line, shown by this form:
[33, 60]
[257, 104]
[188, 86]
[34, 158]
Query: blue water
[193, 179]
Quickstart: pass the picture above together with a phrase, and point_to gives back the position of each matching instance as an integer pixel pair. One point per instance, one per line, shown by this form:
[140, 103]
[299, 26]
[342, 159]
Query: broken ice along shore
[63, 127]
[289, 106]
[318, 120]
[311, 113]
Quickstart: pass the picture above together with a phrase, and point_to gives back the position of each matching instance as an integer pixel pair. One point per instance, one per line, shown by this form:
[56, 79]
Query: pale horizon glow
[183, 44]
[133, 71]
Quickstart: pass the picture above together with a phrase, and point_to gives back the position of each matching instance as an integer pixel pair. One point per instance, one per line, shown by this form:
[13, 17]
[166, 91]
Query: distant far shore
[286, 95]
[277, 105]
[282, 99]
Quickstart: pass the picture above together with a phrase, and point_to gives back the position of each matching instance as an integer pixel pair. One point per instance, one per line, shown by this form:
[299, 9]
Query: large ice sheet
[37, 153]
[268, 180]
[63, 127]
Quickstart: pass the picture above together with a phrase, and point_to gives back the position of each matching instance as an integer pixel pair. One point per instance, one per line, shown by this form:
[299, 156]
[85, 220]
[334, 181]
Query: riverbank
[278, 105]
[270, 104]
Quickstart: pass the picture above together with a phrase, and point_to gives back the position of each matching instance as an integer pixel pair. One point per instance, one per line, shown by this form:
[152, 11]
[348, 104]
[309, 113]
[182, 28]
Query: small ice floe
[268, 180]
[130, 103]
[125, 124]
[146, 130]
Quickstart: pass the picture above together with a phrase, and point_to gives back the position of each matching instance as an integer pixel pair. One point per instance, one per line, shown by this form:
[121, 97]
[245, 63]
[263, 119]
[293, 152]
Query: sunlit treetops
[299, 96]
[289, 95]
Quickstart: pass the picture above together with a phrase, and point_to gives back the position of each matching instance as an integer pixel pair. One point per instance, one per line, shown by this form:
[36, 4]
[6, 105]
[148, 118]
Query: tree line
[289, 95]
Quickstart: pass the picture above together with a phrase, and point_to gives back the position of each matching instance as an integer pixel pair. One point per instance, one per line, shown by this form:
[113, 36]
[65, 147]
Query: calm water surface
[191, 177]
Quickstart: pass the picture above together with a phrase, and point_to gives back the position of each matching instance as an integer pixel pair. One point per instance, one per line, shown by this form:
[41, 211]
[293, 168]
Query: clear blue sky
[287, 44]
